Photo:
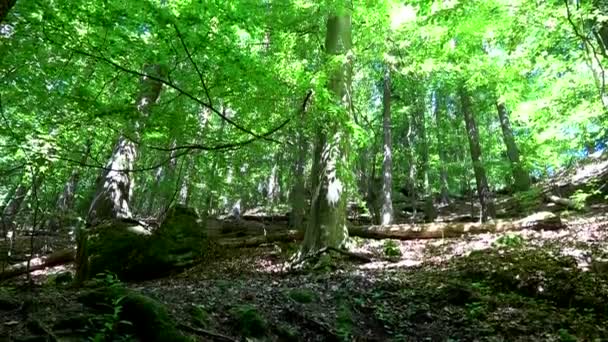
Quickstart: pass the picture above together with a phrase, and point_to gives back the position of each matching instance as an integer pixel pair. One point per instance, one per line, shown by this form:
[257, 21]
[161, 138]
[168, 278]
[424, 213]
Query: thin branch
[587, 43]
[198, 71]
[175, 87]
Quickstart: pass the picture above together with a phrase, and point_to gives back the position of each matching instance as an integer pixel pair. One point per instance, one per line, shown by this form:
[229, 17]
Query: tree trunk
[65, 201]
[5, 7]
[327, 223]
[520, 175]
[442, 143]
[298, 194]
[387, 163]
[411, 164]
[429, 206]
[538, 221]
[483, 191]
[115, 185]
[12, 208]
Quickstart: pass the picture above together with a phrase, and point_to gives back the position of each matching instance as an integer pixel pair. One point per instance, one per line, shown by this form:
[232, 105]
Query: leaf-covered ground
[525, 286]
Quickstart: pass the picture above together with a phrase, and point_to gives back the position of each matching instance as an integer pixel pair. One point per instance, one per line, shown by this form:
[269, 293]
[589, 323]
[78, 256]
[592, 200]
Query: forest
[303, 170]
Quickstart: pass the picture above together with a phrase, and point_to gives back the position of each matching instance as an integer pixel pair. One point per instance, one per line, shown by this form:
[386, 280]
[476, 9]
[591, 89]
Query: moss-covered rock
[132, 252]
[150, 319]
[248, 321]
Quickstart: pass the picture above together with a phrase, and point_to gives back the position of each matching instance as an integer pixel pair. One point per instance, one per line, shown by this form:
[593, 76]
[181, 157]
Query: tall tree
[115, 185]
[387, 162]
[521, 177]
[327, 223]
[483, 190]
[442, 146]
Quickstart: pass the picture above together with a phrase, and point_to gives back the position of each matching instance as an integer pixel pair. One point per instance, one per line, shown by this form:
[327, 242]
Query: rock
[132, 252]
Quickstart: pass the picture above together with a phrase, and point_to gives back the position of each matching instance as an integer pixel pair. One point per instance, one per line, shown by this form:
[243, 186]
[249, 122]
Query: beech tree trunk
[115, 186]
[443, 143]
[387, 163]
[488, 210]
[410, 177]
[538, 221]
[327, 223]
[298, 193]
[429, 206]
[5, 7]
[521, 177]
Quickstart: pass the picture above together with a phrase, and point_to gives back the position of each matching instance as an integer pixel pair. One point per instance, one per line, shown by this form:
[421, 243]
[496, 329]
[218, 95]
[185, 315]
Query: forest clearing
[298, 170]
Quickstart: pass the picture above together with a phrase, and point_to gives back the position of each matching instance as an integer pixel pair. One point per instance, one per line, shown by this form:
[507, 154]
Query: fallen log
[253, 241]
[568, 203]
[538, 221]
[57, 258]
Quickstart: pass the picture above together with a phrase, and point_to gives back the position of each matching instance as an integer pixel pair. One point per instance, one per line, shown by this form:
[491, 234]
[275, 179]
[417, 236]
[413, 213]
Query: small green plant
[476, 310]
[528, 200]
[344, 322]
[510, 240]
[579, 198]
[303, 296]
[248, 321]
[200, 316]
[108, 279]
[111, 324]
[391, 249]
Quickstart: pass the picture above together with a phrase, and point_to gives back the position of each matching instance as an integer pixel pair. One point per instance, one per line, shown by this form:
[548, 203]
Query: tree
[115, 185]
[387, 163]
[483, 190]
[520, 175]
[326, 226]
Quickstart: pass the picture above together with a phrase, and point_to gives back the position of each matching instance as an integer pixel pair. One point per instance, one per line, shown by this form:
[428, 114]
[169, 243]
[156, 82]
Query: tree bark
[442, 143]
[115, 186]
[298, 193]
[387, 163]
[521, 177]
[327, 223]
[538, 221]
[12, 208]
[429, 206]
[5, 7]
[488, 210]
[55, 259]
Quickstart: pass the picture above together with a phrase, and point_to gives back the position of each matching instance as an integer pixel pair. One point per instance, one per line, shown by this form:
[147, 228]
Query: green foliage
[111, 325]
[303, 296]
[199, 314]
[527, 201]
[391, 249]
[248, 321]
[344, 321]
[580, 197]
[510, 241]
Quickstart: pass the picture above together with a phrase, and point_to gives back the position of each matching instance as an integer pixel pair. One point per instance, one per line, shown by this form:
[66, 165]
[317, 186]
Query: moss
[303, 296]
[286, 333]
[248, 321]
[133, 253]
[200, 316]
[150, 318]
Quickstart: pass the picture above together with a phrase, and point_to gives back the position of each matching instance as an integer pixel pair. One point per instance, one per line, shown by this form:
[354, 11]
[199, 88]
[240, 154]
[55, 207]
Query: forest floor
[521, 286]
